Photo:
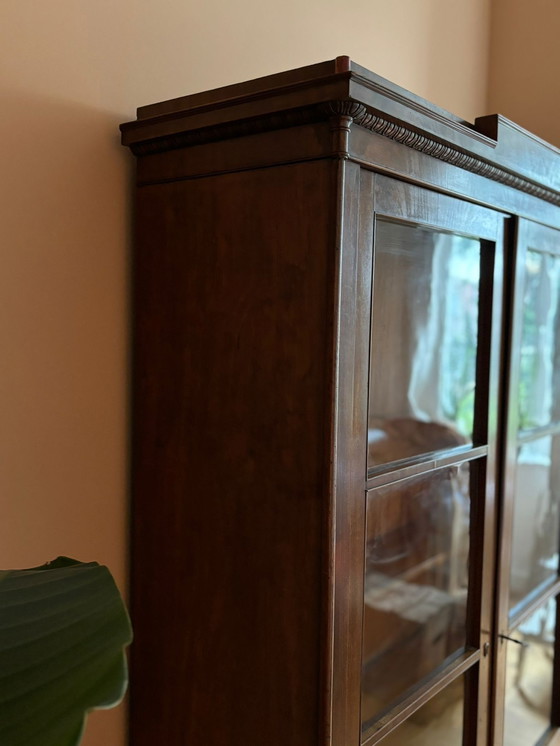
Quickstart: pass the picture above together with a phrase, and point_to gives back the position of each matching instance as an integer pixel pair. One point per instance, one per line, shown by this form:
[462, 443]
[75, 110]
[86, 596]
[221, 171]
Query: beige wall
[71, 70]
[524, 81]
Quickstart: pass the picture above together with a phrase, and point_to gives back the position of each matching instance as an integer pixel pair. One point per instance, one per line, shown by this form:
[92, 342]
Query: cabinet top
[341, 68]
[493, 146]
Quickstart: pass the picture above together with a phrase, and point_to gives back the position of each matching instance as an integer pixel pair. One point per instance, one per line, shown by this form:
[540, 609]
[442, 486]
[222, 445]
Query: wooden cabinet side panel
[232, 358]
[349, 469]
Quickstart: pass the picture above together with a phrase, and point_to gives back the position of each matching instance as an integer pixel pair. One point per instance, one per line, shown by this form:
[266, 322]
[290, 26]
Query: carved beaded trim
[446, 153]
[358, 114]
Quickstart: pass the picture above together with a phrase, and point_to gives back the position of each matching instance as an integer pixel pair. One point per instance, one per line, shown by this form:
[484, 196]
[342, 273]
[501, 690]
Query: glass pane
[416, 582]
[437, 723]
[529, 678]
[539, 373]
[424, 341]
[536, 524]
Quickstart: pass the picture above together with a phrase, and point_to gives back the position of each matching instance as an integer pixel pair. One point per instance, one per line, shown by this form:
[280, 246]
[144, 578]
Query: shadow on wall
[63, 288]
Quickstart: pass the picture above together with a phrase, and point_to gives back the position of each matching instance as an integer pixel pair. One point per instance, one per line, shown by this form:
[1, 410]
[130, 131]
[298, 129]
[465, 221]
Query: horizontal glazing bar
[427, 464]
[447, 673]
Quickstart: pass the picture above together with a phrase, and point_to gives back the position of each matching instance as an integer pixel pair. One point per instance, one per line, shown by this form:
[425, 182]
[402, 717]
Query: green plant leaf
[63, 629]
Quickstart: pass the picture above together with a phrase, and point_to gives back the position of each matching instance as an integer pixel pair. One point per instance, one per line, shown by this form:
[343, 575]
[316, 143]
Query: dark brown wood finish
[295, 97]
[307, 94]
[488, 420]
[255, 219]
[260, 150]
[396, 199]
[351, 342]
[231, 442]
[526, 236]
[385, 155]
[504, 517]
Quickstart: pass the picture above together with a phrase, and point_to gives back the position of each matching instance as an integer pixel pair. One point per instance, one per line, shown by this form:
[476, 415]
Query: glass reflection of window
[424, 341]
[416, 585]
[540, 340]
[450, 356]
[529, 678]
[536, 520]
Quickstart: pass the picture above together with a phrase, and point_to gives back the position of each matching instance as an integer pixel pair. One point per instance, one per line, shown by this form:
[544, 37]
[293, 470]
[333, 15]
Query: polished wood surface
[257, 212]
[527, 236]
[492, 146]
[231, 454]
[350, 341]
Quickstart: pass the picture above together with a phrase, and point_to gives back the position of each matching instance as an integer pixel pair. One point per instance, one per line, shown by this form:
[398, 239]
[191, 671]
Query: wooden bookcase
[346, 420]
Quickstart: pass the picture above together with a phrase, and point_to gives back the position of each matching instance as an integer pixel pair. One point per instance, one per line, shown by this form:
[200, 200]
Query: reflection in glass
[424, 341]
[536, 519]
[437, 723]
[416, 582]
[539, 380]
[529, 678]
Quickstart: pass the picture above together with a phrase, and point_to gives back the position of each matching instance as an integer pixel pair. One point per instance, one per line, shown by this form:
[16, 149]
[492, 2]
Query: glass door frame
[397, 200]
[526, 236]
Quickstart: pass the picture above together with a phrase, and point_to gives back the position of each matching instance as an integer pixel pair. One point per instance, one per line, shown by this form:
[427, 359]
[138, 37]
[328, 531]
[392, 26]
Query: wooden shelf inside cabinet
[329, 277]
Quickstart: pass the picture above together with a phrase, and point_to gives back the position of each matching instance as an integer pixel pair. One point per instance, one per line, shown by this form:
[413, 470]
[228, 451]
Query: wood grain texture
[255, 229]
[523, 236]
[492, 147]
[232, 351]
[351, 344]
[258, 150]
[390, 157]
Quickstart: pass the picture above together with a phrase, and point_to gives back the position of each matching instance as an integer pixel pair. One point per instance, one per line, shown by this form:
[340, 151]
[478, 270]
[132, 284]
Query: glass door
[527, 694]
[429, 503]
